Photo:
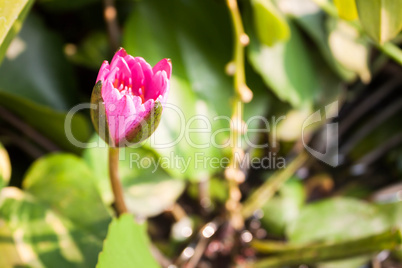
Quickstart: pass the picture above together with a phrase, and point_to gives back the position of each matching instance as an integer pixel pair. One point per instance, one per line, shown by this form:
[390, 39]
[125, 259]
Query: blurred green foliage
[56, 207]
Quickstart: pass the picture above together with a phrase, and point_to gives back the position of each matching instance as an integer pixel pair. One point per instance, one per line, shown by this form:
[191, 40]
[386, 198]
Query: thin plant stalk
[267, 190]
[120, 205]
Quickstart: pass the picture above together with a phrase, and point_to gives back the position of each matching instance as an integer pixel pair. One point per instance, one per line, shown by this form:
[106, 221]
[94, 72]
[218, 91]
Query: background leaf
[12, 14]
[270, 25]
[43, 237]
[10, 256]
[53, 126]
[36, 68]
[286, 68]
[314, 23]
[199, 86]
[283, 209]
[381, 19]
[343, 218]
[70, 192]
[199, 53]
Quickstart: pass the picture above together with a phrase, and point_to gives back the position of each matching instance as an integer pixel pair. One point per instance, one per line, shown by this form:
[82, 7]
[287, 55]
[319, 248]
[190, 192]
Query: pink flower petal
[146, 69]
[164, 65]
[121, 53]
[138, 78]
[148, 106]
[111, 76]
[104, 70]
[137, 103]
[122, 65]
[158, 86]
[109, 93]
[130, 60]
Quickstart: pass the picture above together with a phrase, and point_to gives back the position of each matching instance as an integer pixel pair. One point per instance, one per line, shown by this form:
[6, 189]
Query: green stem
[267, 190]
[310, 254]
[119, 203]
[233, 203]
[239, 76]
[392, 51]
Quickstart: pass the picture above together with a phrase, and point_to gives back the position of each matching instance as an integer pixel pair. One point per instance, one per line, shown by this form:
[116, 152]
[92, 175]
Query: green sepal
[147, 126]
[98, 114]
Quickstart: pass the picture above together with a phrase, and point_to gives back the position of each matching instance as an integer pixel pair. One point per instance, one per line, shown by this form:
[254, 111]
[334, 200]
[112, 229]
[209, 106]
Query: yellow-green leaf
[381, 19]
[12, 14]
[346, 9]
[269, 23]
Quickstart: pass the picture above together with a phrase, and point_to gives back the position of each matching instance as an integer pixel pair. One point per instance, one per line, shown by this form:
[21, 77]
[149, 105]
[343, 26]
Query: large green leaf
[343, 219]
[381, 19]
[314, 25]
[286, 68]
[35, 68]
[5, 167]
[269, 23]
[393, 213]
[127, 245]
[199, 51]
[36, 80]
[12, 14]
[41, 237]
[284, 208]
[143, 179]
[66, 184]
[337, 219]
[53, 126]
[342, 46]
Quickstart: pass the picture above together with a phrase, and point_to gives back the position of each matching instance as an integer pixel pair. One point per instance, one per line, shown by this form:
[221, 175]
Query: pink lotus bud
[129, 95]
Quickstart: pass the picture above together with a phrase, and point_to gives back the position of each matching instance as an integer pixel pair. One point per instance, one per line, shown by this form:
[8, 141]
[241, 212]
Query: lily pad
[42, 237]
[53, 181]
